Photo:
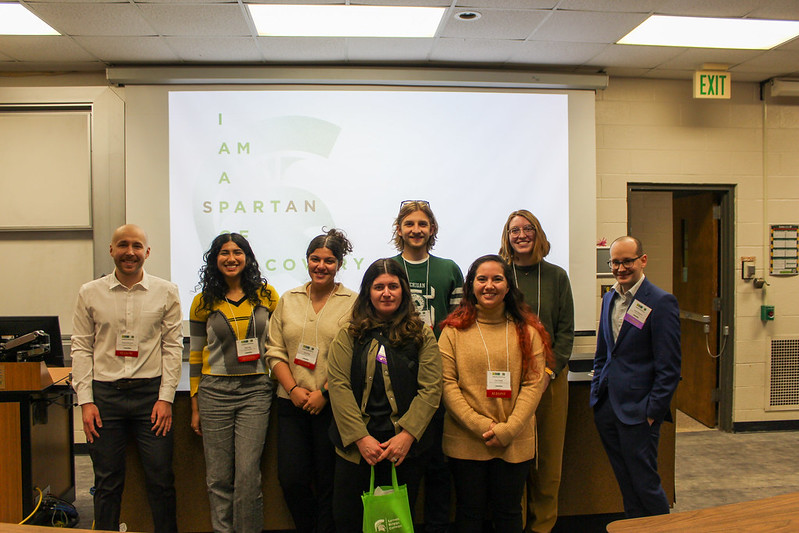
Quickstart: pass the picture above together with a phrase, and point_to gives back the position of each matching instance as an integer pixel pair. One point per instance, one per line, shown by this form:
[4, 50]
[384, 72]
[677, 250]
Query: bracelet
[292, 388]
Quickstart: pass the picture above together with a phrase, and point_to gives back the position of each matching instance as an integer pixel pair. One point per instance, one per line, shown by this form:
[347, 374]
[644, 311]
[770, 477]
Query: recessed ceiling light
[16, 20]
[468, 16]
[697, 32]
[345, 21]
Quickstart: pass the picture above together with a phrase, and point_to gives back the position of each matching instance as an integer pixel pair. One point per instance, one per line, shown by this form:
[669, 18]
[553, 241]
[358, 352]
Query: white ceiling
[545, 35]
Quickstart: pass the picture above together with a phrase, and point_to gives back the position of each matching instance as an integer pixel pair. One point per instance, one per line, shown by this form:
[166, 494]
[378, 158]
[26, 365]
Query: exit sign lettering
[712, 84]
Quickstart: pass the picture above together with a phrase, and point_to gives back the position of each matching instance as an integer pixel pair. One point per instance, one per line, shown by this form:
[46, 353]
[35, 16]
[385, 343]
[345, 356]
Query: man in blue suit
[636, 371]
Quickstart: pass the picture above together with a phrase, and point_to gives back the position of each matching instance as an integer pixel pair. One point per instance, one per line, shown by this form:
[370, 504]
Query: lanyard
[516, 279]
[318, 316]
[426, 281]
[507, 348]
[233, 315]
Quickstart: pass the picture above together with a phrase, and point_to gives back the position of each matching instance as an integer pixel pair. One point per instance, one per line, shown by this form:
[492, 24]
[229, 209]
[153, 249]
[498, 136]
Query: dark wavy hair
[404, 325]
[465, 315]
[334, 240]
[212, 282]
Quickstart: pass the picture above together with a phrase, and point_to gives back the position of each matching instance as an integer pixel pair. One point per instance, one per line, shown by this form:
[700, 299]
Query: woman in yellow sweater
[231, 390]
[493, 351]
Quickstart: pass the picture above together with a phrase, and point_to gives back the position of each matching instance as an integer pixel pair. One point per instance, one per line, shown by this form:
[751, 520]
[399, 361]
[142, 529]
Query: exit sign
[712, 84]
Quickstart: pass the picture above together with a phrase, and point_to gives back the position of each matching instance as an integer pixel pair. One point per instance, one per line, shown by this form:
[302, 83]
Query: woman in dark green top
[547, 291]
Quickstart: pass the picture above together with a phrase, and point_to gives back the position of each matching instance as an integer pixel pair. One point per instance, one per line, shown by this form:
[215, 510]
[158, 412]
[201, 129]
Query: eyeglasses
[528, 230]
[420, 202]
[628, 263]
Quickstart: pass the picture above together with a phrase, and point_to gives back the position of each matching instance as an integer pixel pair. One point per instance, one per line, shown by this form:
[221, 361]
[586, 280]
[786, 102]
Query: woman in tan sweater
[494, 351]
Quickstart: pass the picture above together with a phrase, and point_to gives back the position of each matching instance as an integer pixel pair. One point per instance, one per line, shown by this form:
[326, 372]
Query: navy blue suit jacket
[641, 370]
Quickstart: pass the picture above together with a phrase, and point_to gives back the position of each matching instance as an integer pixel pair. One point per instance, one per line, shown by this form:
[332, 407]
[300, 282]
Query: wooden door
[696, 286]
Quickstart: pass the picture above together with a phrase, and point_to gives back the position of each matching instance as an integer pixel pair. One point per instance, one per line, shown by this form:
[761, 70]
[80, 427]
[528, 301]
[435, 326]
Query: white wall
[653, 131]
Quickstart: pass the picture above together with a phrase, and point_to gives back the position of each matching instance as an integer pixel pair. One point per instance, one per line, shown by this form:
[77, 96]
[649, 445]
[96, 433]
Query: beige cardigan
[469, 411]
[286, 327]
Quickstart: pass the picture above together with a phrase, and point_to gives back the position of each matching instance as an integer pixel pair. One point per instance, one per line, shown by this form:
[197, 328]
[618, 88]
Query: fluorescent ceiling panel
[16, 20]
[345, 21]
[697, 32]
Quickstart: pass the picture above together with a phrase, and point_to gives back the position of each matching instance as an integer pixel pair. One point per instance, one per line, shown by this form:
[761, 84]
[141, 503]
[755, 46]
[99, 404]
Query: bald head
[129, 249]
[129, 230]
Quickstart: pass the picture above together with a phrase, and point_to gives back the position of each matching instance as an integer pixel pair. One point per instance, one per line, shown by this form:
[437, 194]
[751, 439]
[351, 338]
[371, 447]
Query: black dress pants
[125, 409]
[305, 465]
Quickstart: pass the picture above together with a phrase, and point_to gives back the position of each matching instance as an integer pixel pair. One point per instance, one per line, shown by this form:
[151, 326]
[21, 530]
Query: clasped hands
[311, 402]
[394, 449]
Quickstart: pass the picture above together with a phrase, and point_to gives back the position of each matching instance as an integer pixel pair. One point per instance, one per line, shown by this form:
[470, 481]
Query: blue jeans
[234, 415]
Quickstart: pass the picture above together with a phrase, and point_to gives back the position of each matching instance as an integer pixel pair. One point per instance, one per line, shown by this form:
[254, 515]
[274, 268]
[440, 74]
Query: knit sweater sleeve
[529, 396]
[198, 342]
[457, 405]
[563, 342]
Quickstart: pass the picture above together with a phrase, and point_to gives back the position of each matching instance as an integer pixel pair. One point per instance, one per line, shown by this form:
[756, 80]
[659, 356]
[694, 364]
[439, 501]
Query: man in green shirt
[436, 287]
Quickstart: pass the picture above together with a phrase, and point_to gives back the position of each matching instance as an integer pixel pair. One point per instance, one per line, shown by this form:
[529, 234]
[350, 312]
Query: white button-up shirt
[621, 303]
[150, 310]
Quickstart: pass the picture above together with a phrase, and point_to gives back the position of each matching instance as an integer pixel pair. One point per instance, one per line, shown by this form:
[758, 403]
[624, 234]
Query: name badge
[306, 356]
[381, 355]
[127, 345]
[247, 350]
[498, 384]
[637, 314]
[426, 317]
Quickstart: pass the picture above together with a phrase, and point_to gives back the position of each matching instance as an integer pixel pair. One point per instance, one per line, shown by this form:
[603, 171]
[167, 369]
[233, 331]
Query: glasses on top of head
[528, 230]
[628, 263]
[421, 202]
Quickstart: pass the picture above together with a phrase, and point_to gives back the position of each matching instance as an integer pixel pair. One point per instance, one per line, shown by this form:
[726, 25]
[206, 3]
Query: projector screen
[278, 165]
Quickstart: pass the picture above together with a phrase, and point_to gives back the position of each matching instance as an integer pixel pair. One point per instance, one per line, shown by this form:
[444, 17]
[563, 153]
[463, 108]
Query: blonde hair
[411, 207]
[541, 245]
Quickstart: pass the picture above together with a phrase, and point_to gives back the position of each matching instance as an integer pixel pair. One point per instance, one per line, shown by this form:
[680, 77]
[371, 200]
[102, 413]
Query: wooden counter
[769, 515]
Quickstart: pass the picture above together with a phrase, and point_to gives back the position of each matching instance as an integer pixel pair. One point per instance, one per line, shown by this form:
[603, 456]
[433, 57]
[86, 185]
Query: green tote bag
[388, 510]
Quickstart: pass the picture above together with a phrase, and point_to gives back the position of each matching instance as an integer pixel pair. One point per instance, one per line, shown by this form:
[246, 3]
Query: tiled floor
[712, 468]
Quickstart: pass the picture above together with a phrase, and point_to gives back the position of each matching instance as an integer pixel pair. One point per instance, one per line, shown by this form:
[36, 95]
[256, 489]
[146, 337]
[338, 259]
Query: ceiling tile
[93, 19]
[549, 53]
[709, 8]
[197, 20]
[215, 49]
[43, 48]
[376, 49]
[508, 4]
[303, 49]
[620, 55]
[776, 9]
[620, 6]
[129, 49]
[776, 61]
[584, 27]
[693, 58]
[494, 24]
[473, 50]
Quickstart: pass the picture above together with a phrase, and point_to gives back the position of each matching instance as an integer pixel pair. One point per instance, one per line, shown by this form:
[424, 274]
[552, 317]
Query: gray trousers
[234, 415]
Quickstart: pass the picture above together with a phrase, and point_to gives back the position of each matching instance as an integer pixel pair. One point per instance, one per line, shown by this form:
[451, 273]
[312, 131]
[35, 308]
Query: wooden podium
[36, 443]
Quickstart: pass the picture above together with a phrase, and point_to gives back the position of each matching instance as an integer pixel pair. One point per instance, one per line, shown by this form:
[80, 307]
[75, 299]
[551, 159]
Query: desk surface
[772, 515]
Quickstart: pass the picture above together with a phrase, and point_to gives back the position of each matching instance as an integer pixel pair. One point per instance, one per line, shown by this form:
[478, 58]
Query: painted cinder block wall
[653, 131]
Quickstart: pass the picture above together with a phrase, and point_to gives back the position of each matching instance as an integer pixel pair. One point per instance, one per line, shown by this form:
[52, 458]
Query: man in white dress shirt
[127, 349]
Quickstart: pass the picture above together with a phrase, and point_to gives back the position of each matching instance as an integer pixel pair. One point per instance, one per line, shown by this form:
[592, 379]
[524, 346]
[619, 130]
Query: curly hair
[212, 282]
[334, 240]
[405, 324]
[541, 245]
[465, 315]
[406, 208]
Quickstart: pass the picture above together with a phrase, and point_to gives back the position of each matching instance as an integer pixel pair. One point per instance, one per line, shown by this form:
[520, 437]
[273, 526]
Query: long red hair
[465, 315]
